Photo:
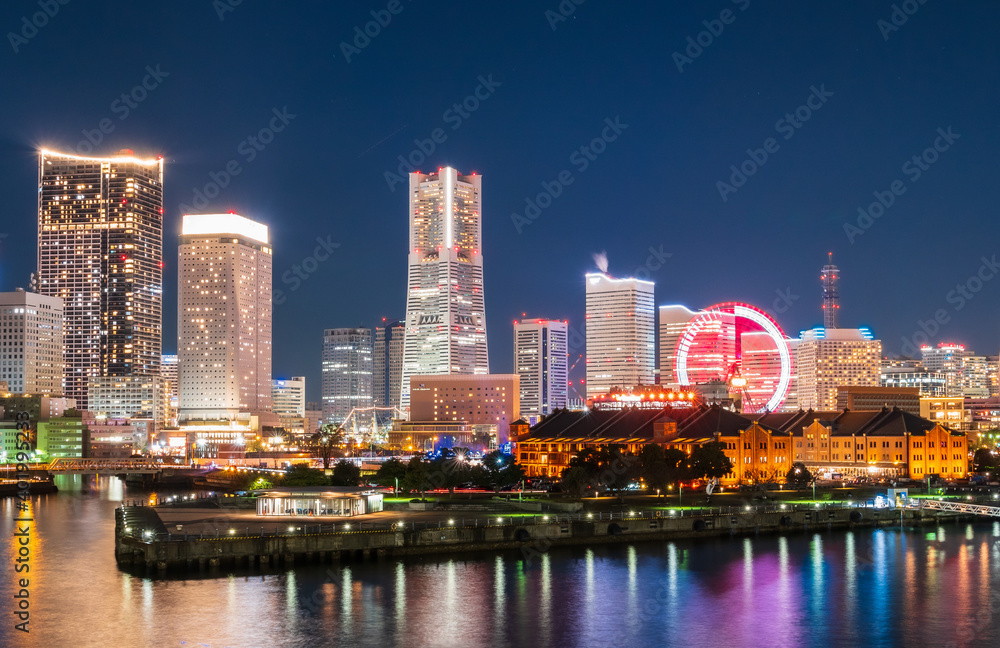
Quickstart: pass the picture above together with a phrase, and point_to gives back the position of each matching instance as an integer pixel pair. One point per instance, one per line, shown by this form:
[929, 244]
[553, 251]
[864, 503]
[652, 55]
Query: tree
[985, 460]
[326, 440]
[709, 461]
[609, 467]
[660, 468]
[798, 475]
[390, 473]
[450, 469]
[260, 483]
[345, 473]
[301, 474]
[498, 470]
[415, 478]
[575, 481]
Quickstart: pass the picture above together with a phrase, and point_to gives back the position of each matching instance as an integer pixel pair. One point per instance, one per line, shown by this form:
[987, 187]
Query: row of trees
[450, 470]
[613, 469]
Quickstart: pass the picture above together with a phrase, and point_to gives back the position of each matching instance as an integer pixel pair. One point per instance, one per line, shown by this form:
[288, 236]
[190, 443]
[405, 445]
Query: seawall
[179, 554]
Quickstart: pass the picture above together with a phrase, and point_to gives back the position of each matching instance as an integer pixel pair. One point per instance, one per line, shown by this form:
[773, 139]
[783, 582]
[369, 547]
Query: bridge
[67, 466]
[960, 507]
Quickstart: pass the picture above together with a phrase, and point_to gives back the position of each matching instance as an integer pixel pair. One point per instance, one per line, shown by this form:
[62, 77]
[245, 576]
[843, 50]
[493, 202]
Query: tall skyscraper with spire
[100, 249]
[830, 279]
[445, 309]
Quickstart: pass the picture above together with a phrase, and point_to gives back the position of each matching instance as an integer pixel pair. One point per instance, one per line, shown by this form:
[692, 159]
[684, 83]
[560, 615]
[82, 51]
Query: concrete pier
[176, 552]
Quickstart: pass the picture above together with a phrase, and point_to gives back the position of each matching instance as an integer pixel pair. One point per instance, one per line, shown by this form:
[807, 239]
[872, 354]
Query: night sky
[878, 93]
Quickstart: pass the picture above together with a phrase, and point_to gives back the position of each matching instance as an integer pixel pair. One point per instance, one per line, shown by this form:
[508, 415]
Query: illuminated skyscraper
[388, 362]
[223, 317]
[540, 361]
[832, 358]
[100, 249]
[831, 293]
[621, 339]
[347, 375]
[445, 313]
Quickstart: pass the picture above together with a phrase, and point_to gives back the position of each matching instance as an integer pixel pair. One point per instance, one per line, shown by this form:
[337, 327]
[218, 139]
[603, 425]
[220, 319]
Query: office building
[224, 317]
[489, 403]
[875, 398]
[673, 319]
[929, 383]
[288, 402]
[62, 436]
[445, 308]
[388, 363]
[828, 359]
[171, 398]
[347, 373]
[100, 249]
[31, 343]
[128, 397]
[540, 357]
[621, 340]
[313, 418]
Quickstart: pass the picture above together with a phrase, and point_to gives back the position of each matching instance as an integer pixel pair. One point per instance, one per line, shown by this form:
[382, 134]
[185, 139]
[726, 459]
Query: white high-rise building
[832, 358]
[288, 402]
[673, 320]
[126, 397]
[100, 249]
[347, 381]
[224, 317]
[540, 357]
[621, 338]
[31, 343]
[445, 312]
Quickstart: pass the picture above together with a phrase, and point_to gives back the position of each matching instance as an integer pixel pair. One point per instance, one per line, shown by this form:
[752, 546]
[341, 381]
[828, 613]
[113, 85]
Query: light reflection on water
[885, 587]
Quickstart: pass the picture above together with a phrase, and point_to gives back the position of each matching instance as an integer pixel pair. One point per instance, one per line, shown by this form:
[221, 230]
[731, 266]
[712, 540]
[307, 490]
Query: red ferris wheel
[741, 345]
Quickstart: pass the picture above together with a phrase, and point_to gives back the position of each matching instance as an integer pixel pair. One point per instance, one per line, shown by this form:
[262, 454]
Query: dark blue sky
[655, 186]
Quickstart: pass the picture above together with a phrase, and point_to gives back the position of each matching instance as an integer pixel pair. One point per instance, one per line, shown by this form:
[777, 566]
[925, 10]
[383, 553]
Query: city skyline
[526, 130]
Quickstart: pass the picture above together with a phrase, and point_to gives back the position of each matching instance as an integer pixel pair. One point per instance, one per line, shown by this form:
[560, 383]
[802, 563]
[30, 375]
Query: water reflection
[891, 587]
